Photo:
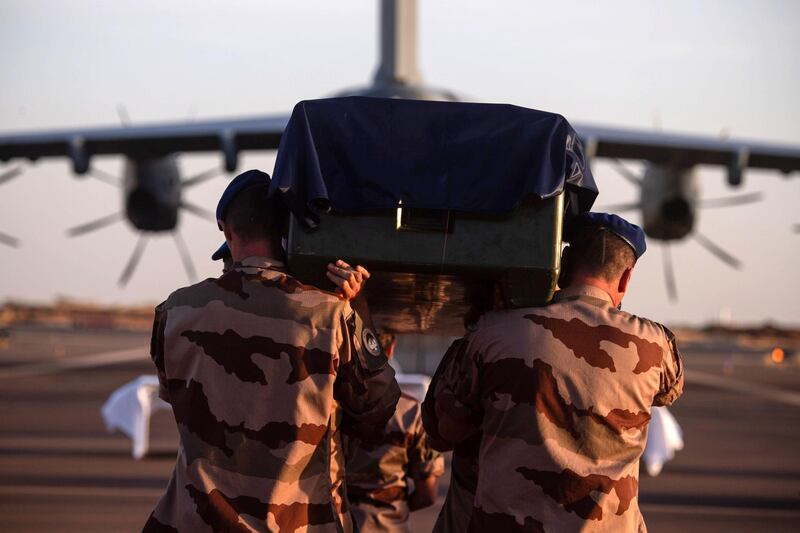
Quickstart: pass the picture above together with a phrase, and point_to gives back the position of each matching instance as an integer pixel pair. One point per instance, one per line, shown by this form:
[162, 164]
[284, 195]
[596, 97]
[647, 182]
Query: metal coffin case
[431, 267]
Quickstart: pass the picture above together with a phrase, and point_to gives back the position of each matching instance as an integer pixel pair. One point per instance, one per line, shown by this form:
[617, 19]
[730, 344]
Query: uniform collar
[260, 262]
[583, 290]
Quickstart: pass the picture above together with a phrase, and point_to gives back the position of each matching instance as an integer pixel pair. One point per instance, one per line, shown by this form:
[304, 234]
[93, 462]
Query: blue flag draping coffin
[356, 153]
[439, 199]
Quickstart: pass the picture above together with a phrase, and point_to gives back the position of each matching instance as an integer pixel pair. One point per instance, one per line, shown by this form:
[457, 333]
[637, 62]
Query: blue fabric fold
[355, 154]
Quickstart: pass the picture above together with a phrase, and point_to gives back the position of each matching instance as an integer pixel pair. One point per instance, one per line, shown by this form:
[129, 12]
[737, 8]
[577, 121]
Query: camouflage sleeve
[157, 350]
[423, 461]
[365, 385]
[451, 412]
[671, 373]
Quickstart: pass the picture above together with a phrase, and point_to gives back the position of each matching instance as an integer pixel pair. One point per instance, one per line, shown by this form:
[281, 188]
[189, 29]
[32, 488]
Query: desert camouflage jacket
[264, 375]
[378, 469]
[457, 506]
[562, 395]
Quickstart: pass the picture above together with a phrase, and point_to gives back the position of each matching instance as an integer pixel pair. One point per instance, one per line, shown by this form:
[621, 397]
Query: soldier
[562, 395]
[395, 472]
[264, 374]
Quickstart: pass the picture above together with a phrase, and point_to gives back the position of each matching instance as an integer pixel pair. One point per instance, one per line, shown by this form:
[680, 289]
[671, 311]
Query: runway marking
[115, 443]
[141, 353]
[59, 443]
[716, 510]
[154, 493]
[737, 385]
[78, 491]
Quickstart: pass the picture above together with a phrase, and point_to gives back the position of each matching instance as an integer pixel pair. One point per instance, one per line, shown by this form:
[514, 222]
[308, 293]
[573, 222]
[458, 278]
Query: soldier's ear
[226, 230]
[624, 279]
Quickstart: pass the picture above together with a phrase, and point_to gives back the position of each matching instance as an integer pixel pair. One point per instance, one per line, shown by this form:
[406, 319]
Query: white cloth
[415, 385]
[664, 437]
[129, 409]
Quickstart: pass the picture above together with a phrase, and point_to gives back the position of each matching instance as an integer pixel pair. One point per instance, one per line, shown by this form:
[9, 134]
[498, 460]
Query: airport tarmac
[61, 471]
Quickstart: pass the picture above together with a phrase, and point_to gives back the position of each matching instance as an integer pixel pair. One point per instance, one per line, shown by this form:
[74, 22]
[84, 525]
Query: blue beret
[245, 180]
[630, 233]
[222, 251]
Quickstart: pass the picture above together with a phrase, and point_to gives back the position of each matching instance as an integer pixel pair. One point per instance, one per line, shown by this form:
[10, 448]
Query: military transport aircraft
[152, 184]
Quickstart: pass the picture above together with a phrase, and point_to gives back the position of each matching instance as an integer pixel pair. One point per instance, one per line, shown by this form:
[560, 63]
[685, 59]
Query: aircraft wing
[226, 136]
[687, 150]
[263, 133]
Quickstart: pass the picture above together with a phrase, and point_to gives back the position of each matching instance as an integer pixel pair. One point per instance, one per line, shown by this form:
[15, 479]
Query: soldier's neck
[243, 249]
[600, 283]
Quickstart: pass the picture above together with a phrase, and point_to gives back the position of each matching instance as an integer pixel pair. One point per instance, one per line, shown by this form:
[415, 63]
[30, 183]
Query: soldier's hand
[349, 281]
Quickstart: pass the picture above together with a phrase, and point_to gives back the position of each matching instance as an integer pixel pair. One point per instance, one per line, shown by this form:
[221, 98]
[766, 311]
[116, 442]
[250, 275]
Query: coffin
[430, 269]
[449, 205]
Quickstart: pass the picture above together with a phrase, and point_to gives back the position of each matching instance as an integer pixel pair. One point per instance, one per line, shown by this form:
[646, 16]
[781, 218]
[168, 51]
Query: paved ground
[60, 470]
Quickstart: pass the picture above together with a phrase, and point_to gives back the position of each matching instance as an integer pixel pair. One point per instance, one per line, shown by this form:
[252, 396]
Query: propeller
[626, 173]
[7, 176]
[669, 273]
[10, 174]
[100, 223]
[201, 212]
[8, 240]
[94, 225]
[621, 208]
[631, 176]
[199, 178]
[186, 258]
[105, 177]
[702, 240]
[715, 250]
[138, 251]
[730, 201]
[133, 261]
[124, 117]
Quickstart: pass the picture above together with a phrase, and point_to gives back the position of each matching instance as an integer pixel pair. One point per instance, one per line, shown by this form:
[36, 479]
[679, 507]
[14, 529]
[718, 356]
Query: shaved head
[599, 253]
[254, 216]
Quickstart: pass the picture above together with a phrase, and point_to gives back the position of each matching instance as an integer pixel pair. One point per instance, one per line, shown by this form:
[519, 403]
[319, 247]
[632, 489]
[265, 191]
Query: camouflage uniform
[378, 469]
[264, 374]
[457, 507]
[562, 395]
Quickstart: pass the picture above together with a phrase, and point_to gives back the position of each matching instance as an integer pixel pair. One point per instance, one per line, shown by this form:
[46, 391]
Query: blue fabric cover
[358, 153]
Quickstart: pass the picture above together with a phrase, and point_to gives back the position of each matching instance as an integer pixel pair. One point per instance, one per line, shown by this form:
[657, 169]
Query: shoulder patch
[370, 342]
[367, 347]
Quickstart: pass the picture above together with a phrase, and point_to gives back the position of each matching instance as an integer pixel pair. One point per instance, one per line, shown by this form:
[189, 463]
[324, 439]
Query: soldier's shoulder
[503, 318]
[295, 286]
[325, 307]
[188, 293]
[645, 325]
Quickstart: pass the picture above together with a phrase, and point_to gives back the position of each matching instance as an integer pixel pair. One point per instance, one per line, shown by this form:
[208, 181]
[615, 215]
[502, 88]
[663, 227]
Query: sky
[711, 68]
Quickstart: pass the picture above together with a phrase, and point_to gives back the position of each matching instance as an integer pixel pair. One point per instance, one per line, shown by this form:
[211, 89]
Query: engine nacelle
[669, 201]
[79, 155]
[152, 192]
